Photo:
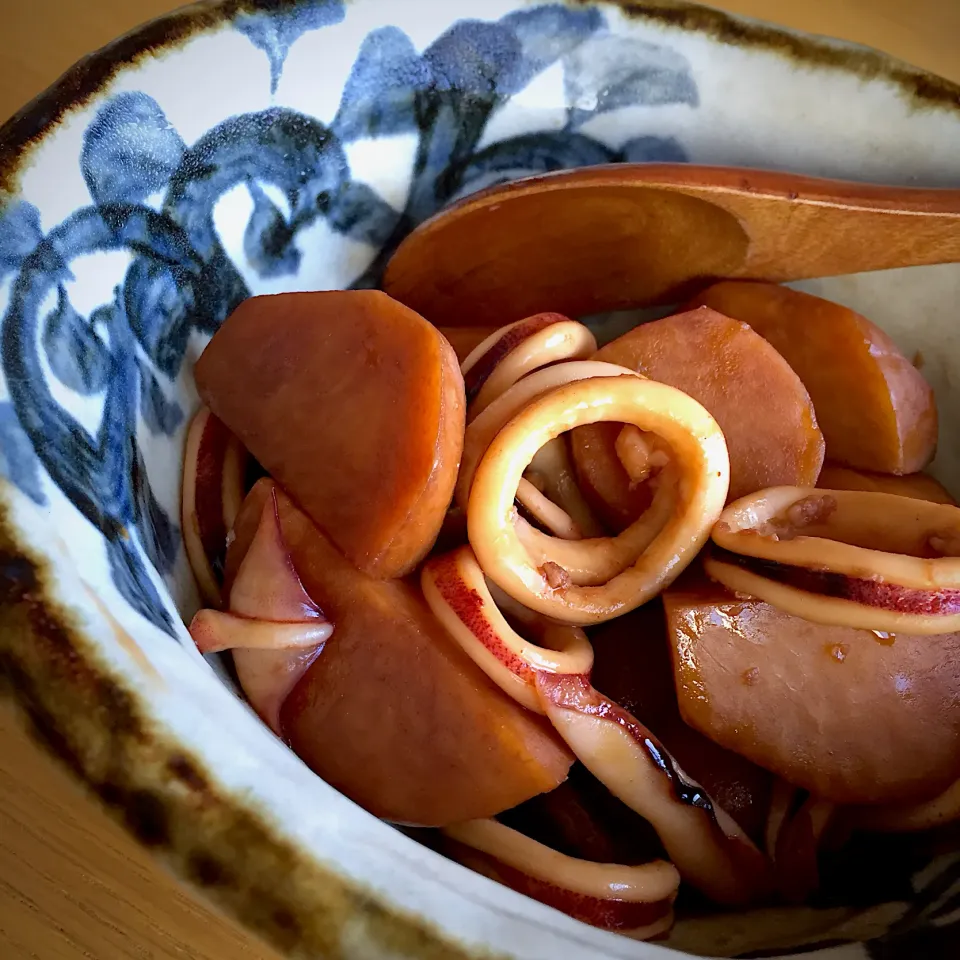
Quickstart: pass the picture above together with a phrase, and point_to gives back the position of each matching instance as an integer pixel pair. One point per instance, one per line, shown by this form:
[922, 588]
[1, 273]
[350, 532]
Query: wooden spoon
[631, 235]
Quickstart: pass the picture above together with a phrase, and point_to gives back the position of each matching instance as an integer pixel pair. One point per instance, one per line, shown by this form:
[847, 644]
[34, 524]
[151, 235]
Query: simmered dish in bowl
[634, 628]
[231, 151]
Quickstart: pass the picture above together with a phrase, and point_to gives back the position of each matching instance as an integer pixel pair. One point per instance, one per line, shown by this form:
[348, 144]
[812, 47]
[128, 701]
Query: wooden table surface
[73, 886]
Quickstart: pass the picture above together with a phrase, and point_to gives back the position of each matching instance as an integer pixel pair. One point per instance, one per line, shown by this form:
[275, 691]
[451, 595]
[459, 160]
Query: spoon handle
[801, 227]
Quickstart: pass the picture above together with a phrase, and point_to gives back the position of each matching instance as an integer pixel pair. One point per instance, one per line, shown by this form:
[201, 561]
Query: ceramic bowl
[244, 147]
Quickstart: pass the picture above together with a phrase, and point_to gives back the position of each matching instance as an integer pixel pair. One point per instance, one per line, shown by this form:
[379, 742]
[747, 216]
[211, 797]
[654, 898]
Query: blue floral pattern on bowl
[181, 279]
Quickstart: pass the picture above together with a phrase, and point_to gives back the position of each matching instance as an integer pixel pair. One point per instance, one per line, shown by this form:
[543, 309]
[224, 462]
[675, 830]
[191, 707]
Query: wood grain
[633, 235]
[73, 886]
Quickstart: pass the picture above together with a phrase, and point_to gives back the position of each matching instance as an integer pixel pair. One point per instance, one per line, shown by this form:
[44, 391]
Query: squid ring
[700, 838]
[553, 473]
[212, 492]
[482, 430]
[518, 349]
[854, 558]
[456, 591]
[637, 456]
[636, 901]
[697, 445]
[598, 560]
[546, 512]
[593, 561]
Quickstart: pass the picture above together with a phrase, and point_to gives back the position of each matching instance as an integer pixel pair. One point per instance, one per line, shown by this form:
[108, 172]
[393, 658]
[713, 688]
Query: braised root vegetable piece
[632, 666]
[875, 409]
[355, 405]
[758, 401]
[459, 595]
[853, 716]
[920, 486]
[392, 712]
[465, 339]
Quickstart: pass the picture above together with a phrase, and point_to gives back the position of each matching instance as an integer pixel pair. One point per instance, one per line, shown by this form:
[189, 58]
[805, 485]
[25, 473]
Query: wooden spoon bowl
[632, 235]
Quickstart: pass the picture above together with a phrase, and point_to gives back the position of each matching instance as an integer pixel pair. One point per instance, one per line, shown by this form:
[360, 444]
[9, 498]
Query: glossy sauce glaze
[849, 716]
[451, 591]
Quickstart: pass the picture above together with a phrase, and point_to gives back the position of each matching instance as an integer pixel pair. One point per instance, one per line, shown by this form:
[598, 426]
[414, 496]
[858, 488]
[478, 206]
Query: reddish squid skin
[736, 872]
[577, 693]
[479, 373]
[209, 490]
[268, 586]
[467, 604]
[619, 915]
[943, 601]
